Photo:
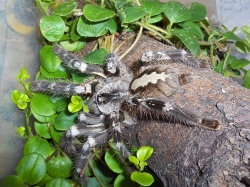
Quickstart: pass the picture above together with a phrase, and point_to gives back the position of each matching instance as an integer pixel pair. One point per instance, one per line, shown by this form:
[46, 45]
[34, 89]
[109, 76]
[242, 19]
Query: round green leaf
[95, 29]
[55, 134]
[61, 105]
[61, 72]
[112, 162]
[52, 27]
[64, 121]
[73, 108]
[65, 9]
[12, 180]
[96, 57]
[69, 45]
[59, 167]
[131, 14]
[241, 63]
[73, 32]
[42, 129]
[143, 178]
[44, 180]
[153, 7]
[134, 160]
[123, 180]
[49, 60]
[58, 182]
[193, 28]
[197, 12]
[155, 19]
[96, 13]
[176, 12]
[189, 41]
[144, 152]
[31, 168]
[41, 104]
[43, 119]
[38, 145]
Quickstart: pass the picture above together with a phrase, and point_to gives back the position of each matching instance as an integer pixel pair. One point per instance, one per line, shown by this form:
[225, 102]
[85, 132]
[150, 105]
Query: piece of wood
[194, 156]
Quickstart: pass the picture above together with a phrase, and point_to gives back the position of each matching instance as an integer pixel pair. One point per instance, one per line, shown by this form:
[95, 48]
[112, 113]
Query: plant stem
[134, 43]
[205, 28]
[152, 29]
[225, 61]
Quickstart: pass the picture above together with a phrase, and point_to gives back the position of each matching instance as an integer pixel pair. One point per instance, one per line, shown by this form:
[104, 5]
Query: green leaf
[131, 14]
[96, 57]
[23, 75]
[155, 19]
[197, 11]
[69, 45]
[242, 47]
[12, 180]
[59, 167]
[20, 99]
[74, 35]
[193, 28]
[241, 63]
[61, 105]
[42, 129]
[43, 119]
[123, 180]
[41, 104]
[144, 152]
[65, 9]
[153, 7]
[219, 68]
[247, 80]
[112, 162]
[39, 146]
[44, 180]
[143, 178]
[64, 121]
[60, 73]
[102, 173]
[94, 29]
[74, 107]
[245, 29]
[31, 168]
[55, 134]
[58, 182]
[176, 12]
[96, 13]
[49, 60]
[52, 27]
[134, 160]
[231, 36]
[188, 39]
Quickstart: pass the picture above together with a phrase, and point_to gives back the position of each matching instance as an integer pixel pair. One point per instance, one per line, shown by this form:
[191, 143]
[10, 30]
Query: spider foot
[212, 124]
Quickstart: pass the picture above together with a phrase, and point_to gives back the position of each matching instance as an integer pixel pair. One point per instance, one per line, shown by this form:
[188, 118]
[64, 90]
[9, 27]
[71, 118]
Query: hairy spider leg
[72, 62]
[175, 113]
[62, 88]
[175, 55]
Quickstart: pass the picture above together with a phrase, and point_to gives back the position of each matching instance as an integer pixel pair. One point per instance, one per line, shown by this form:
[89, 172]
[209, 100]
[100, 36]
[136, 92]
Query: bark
[194, 156]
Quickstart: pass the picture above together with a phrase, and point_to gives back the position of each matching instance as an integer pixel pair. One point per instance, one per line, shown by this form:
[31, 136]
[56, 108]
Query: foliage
[44, 163]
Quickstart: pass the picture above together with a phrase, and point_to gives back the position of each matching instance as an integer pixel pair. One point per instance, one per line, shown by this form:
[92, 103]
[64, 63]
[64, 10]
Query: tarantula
[119, 94]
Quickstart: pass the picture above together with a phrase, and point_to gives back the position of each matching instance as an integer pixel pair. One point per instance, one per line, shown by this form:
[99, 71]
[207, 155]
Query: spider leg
[175, 113]
[176, 55]
[83, 158]
[72, 62]
[61, 88]
[117, 135]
